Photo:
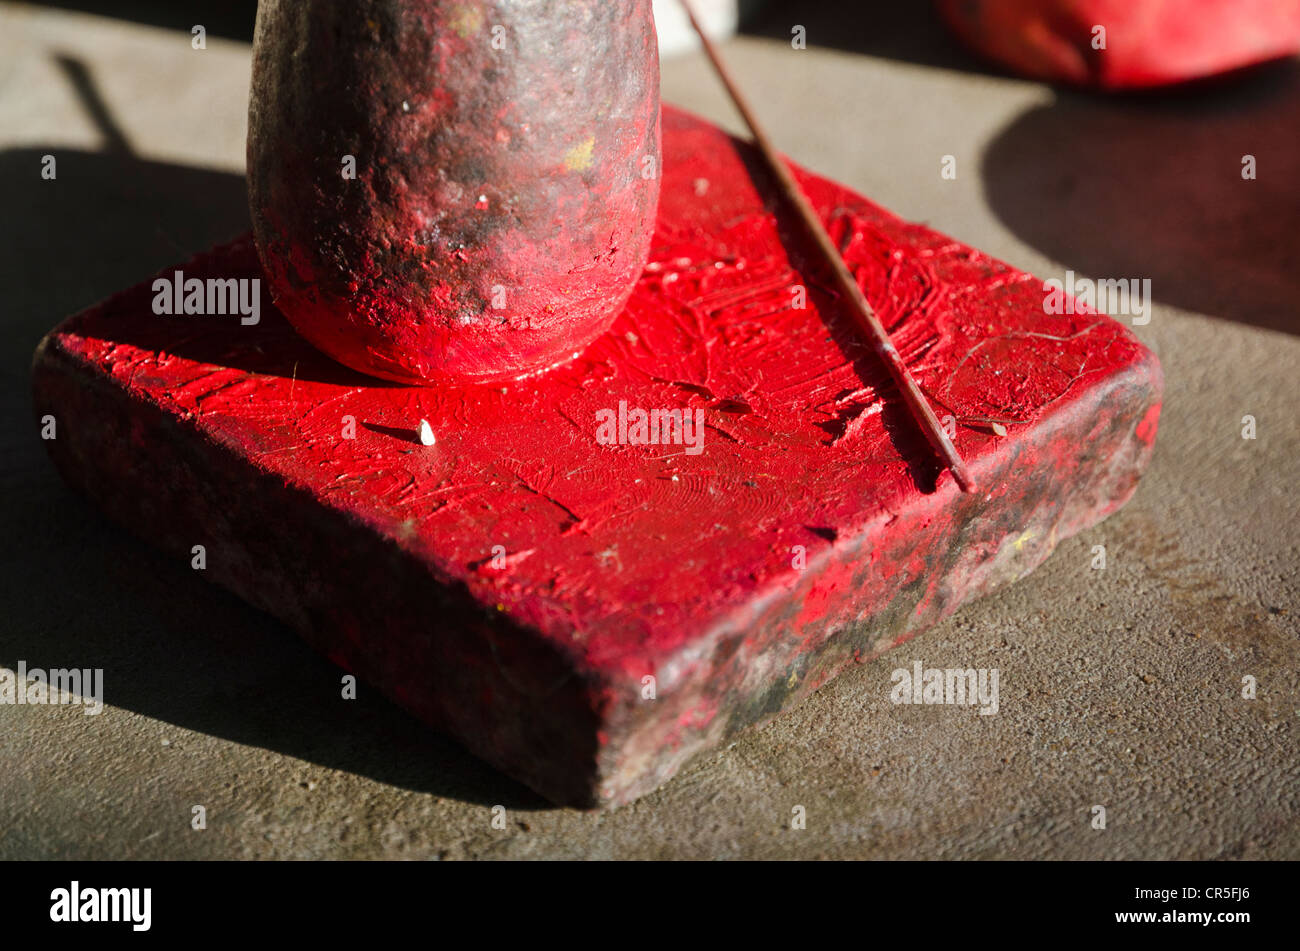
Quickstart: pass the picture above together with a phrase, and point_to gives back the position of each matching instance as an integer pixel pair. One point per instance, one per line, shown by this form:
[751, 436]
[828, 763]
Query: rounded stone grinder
[453, 190]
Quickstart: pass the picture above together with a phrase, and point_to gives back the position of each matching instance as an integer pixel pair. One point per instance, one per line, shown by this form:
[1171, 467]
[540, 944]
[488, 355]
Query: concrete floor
[1119, 687]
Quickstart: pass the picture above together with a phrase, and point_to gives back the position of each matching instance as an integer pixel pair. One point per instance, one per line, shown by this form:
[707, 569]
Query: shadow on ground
[86, 594]
[1150, 186]
[909, 31]
[1141, 185]
[231, 19]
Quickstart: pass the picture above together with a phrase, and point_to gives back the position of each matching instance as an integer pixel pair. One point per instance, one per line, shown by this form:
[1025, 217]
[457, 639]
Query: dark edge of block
[508, 698]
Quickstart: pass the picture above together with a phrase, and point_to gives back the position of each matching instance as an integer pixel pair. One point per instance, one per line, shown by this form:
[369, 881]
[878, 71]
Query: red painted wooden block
[516, 583]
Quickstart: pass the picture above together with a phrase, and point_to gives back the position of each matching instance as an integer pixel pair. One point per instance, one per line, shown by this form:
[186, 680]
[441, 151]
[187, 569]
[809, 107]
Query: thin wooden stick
[861, 310]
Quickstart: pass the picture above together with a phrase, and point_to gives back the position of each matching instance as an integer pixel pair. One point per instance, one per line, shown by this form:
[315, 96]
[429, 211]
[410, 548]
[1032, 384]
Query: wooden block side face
[351, 593]
[859, 596]
[542, 519]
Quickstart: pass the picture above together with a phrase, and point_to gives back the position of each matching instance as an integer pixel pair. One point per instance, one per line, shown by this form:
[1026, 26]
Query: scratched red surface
[623, 561]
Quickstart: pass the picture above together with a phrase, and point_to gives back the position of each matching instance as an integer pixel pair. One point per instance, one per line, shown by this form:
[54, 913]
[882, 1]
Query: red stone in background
[622, 562]
[1148, 42]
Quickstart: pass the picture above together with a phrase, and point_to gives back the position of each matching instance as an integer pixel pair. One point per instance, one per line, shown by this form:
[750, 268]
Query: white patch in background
[720, 19]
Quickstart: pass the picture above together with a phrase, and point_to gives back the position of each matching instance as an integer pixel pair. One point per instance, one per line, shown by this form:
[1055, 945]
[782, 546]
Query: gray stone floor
[1120, 687]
